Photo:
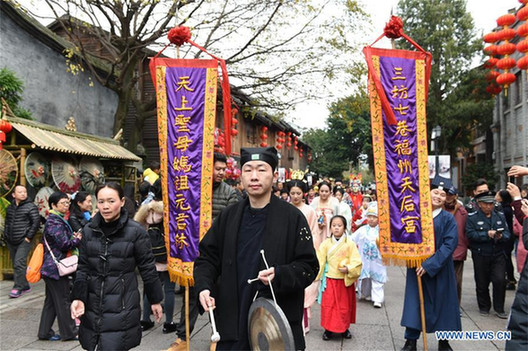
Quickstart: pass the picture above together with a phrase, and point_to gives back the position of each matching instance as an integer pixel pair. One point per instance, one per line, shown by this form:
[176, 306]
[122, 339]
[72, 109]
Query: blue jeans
[168, 289]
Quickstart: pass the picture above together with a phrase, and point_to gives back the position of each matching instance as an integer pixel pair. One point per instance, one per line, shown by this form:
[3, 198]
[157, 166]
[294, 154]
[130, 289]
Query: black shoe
[146, 325]
[347, 334]
[443, 345]
[510, 286]
[501, 315]
[484, 312]
[327, 335]
[410, 345]
[169, 327]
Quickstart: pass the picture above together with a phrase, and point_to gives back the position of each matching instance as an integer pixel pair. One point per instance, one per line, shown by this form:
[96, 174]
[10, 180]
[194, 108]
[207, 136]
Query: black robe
[288, 246]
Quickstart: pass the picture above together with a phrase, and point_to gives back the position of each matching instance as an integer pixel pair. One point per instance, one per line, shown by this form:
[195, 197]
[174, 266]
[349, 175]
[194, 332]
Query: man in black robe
[230, 255]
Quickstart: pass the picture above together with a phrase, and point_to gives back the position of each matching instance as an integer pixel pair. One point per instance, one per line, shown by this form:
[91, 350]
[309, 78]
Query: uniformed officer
[481, 186]
[488, 233]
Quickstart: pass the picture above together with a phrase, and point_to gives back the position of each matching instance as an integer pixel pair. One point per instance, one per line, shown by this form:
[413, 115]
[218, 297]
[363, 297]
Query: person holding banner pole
[438, 280]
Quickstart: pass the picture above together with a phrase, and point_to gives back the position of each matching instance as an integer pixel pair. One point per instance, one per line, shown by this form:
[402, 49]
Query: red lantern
[506, 20]
[506, 63]
[263, 145]
[506, 34]
[234, 121]
[263, 137]
[5, 126]
[522, 30]
[523, 46]
[490, 50]
[506, 49]
[506, 79]
[522, 63]
[234, 132]
[278, 146]
[492, 75]
[522, 14]
[490, 37]
[296, 148]
[493, 89]
[492, 61]
[264, 129]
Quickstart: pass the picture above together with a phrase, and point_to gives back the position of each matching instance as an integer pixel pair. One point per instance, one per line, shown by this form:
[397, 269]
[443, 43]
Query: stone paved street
[376, 329]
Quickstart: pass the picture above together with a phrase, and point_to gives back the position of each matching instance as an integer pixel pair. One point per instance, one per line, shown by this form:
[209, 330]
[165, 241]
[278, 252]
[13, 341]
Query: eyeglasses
[63, 203]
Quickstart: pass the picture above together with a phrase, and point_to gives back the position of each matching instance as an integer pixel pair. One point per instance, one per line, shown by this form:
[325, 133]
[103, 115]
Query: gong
[268, 327]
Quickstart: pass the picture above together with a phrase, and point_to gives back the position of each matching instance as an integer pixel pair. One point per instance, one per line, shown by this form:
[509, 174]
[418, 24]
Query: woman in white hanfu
[373, 273]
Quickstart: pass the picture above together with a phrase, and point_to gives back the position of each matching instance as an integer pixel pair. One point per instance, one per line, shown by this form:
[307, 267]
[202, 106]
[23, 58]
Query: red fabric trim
[185, 63]
[389, 113]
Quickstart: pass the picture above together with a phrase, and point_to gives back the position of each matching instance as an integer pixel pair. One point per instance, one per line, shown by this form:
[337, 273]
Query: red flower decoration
[394, 29]
[179, 35]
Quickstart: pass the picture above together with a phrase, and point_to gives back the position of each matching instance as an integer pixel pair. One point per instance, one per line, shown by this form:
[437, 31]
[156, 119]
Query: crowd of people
[321, 242]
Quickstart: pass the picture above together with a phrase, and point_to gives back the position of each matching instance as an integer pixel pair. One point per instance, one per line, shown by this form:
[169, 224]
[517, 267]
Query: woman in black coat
[80, 210]
[105, 292]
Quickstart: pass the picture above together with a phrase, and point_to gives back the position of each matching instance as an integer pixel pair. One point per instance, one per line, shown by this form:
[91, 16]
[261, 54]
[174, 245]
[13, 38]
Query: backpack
[35, 263]
[157, 241]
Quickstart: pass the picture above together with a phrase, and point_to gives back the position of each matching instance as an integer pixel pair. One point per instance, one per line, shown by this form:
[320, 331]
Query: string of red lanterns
[506, 49]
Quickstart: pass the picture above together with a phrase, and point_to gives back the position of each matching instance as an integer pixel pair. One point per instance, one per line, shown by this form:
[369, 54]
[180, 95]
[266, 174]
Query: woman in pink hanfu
[325, 206]
[297, 192]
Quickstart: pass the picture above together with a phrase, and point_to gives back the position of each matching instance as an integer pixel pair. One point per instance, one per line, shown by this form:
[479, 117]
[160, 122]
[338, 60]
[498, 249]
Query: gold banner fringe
[181, 279]
[408, 262]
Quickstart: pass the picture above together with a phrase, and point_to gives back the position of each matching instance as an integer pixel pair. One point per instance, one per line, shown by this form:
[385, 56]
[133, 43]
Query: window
[517, 89]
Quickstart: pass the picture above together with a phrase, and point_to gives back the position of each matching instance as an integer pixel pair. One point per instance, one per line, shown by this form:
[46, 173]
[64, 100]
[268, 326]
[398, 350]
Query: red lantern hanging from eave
[506, 20]
[506, 79]
[5, 127]
[490, 37]
[506, 34]
[493, 89]
[523, 1]
[492, 75]
[506, 48]
[522, 46]
[490, 50]
[506, 63]
[491, 62]
[522, 30]
[522, 14]
[263, 144]
[522, 63]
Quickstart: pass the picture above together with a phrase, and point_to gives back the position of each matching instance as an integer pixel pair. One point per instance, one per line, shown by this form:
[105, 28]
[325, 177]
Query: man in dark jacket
[230, 255]
[223, 196]
[488, 233]
[21, 225]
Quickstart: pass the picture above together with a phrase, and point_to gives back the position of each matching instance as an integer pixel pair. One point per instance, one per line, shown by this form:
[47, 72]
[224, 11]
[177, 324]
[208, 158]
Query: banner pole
[187, 336]
[422, 311]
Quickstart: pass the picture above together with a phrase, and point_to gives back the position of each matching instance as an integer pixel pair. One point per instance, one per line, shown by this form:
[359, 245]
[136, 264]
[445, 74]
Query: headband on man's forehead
[268, 155]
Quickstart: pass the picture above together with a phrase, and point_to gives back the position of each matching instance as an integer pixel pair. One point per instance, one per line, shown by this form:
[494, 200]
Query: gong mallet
[215, 337]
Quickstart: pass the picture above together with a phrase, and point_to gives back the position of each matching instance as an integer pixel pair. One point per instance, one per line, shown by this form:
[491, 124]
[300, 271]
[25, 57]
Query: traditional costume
[338, 300]
[230, 254]
[439, 284]
[373, 273]
[324, 214]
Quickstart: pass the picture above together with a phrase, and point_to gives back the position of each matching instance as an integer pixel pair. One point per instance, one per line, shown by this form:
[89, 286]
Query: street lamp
[435, 136]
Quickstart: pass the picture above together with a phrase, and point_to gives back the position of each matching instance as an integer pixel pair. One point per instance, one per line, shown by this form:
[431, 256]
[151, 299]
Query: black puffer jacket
[21, 221]
[106, 282]
[77, 221]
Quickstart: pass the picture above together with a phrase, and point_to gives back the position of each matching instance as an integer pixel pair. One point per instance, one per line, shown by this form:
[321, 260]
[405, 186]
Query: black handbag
[157, 241]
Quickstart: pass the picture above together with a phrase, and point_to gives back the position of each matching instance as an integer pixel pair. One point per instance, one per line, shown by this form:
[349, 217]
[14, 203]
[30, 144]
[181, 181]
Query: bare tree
[280, 52]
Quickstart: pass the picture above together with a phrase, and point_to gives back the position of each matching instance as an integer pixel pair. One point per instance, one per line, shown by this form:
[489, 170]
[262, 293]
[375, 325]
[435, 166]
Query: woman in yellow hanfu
[340, 266]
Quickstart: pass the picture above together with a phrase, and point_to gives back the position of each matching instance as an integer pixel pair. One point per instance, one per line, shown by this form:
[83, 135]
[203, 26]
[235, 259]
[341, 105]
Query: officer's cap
[488, 197]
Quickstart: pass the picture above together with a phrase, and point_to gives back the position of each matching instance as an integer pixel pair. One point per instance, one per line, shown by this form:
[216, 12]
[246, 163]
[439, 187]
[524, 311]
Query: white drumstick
[269, 280]
[215, 337]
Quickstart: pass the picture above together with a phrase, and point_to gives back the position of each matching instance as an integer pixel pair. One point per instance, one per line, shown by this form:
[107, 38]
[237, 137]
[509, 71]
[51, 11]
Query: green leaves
[11, 88]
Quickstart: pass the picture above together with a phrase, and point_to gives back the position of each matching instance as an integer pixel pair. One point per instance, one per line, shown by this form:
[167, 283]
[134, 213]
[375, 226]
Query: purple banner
[398, 79]
[185, 130]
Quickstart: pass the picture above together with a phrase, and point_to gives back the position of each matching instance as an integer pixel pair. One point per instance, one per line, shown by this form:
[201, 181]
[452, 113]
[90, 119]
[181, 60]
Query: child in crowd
[373, 273]
[340, 266]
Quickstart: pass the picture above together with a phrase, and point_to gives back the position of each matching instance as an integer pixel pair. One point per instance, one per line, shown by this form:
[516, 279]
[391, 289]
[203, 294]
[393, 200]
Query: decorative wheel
[66, 175]
[8, 172]
[37, 169]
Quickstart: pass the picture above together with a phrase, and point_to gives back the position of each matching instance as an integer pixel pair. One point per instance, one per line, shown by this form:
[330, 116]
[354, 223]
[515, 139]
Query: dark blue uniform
[489, 260]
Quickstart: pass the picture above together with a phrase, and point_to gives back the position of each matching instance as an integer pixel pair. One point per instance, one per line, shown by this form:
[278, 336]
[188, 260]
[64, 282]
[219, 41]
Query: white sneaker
[377, 304]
